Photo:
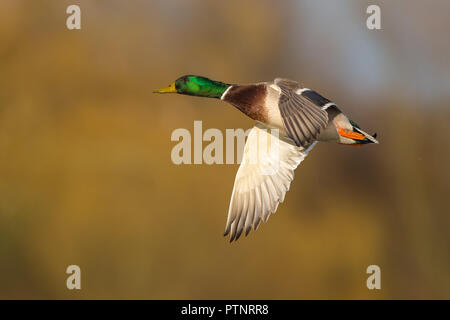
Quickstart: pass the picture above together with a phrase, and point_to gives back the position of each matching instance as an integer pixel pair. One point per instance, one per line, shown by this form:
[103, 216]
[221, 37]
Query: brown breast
[250, 99]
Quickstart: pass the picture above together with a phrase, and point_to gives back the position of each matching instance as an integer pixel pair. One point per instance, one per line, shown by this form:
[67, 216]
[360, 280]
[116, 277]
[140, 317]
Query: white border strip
[329, 104]
[300, 91]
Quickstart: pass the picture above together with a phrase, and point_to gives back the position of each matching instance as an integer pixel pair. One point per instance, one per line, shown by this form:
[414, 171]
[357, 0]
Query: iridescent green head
[196, 86]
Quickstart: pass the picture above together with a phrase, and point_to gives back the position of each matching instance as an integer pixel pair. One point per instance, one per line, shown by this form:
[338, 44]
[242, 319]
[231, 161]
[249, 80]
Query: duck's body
[262, 101]
[302, 117]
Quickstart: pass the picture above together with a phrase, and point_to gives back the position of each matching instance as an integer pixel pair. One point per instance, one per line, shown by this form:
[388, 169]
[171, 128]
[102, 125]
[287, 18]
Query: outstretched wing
[303, 117]
[262, 180]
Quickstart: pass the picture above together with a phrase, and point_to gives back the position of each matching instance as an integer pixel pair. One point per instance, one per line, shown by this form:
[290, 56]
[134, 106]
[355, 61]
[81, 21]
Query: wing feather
[261, 185]
[302, 116]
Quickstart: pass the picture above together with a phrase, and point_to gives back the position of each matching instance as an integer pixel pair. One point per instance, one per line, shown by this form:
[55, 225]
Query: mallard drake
[302, 116]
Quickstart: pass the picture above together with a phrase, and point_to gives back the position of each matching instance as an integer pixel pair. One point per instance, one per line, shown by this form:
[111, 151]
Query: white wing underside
[263, 178]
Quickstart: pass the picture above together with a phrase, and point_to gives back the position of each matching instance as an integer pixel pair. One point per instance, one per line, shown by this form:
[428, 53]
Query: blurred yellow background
[86, 176]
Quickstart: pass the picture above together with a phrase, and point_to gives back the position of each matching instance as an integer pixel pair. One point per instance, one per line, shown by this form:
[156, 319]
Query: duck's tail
[367, 137]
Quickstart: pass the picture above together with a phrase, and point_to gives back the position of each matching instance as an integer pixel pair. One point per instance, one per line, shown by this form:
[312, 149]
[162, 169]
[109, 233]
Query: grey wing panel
[302, 118]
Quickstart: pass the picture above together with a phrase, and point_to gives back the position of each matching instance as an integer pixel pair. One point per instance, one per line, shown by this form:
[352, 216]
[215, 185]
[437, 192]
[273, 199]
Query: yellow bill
[168, 89]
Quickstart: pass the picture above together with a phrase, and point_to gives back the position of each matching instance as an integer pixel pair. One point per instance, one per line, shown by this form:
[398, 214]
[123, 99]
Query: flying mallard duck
[302, 116]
